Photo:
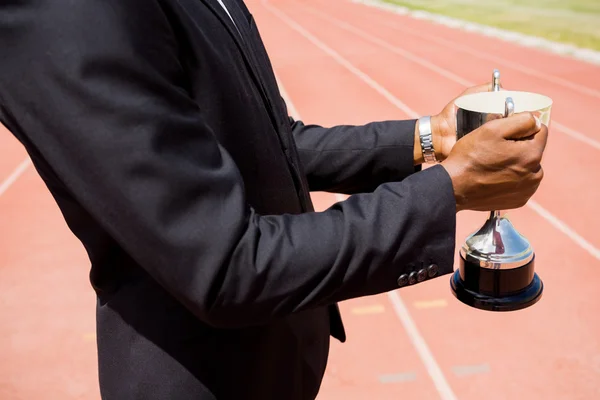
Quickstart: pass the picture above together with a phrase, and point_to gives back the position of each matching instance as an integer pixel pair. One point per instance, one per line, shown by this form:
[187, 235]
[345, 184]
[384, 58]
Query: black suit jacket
[160, 132]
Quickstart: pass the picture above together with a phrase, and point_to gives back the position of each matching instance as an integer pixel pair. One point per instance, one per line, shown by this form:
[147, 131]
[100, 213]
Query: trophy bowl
[474, 110]
[497, 263]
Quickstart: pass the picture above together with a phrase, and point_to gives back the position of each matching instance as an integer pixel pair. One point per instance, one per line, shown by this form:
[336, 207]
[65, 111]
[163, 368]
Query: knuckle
[533, 187]
[519, 201]
[536, 183]
[533, 162]
[531, 157]
[523, 166]
[533, 179]
[540, 175]
[522, 202]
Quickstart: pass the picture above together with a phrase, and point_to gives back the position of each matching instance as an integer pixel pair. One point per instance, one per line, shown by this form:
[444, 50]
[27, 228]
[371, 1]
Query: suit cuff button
[421, 275]
[403, 280]
[432, 270]
[412, 278]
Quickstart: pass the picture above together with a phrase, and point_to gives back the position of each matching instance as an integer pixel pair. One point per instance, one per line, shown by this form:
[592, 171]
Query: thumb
[516, 127]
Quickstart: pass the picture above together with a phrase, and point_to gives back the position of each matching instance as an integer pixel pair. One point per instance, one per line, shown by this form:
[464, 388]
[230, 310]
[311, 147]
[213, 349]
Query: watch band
[426, 139]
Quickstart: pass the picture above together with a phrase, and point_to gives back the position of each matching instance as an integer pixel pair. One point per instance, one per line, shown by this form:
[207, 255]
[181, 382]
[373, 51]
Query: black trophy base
[497, 289]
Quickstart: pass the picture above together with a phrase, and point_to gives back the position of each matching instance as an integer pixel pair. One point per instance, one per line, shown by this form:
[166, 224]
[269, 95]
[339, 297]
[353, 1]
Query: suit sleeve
[352, 159]
[97, 90]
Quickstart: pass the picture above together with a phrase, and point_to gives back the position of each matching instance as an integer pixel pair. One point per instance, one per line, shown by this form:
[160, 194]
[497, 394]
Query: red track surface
[335, 59]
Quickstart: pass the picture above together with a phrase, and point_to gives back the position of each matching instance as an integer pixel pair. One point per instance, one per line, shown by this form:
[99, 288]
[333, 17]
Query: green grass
[575, 22]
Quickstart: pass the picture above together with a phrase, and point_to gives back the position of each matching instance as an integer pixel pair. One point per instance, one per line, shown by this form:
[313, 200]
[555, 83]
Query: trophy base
[496, 289]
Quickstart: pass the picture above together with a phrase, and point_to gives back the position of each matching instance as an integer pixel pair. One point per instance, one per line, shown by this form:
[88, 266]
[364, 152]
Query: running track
[341, 62]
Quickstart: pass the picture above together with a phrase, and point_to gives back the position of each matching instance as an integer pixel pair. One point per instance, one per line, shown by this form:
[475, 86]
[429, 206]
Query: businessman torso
[149, 345]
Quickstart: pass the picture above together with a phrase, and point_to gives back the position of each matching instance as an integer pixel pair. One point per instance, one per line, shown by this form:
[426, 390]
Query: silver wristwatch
[427, 140]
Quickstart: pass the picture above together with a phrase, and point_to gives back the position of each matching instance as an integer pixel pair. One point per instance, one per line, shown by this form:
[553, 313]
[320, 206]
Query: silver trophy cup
[496, 270]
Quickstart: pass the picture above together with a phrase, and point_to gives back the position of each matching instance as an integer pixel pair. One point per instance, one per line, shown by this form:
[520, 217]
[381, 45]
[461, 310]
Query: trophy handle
[509, 107]
[496, 81]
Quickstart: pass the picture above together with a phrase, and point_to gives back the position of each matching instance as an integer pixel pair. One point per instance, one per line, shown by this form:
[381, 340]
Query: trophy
[497, 263]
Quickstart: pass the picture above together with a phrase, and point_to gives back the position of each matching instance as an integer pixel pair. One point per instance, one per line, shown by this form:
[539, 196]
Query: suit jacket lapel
[216, 8]
[241, 34]
[262, 71]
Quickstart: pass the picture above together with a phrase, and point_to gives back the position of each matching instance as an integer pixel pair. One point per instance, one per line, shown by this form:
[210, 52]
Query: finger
[536, 181]
[539, 175]
[516, 127]
[487, 87]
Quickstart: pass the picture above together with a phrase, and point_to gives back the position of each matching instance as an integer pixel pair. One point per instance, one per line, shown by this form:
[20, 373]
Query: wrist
[459, 182]
[417, 150]
[439, 126]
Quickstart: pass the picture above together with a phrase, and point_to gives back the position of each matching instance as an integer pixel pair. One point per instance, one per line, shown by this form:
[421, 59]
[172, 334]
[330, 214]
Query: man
[158, 128]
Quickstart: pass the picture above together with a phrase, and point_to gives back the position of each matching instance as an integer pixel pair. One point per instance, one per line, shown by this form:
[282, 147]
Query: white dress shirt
[226, 10]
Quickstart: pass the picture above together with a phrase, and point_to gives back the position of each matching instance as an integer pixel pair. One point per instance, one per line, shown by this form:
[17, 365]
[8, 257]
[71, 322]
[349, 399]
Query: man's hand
[443, 125]
[497, 166]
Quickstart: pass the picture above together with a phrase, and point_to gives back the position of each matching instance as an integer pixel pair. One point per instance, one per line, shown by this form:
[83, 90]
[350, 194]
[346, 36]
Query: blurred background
[352, 62]
[567, 21]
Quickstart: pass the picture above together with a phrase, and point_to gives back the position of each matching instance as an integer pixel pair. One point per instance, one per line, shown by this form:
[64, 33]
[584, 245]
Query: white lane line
[293, 111]
[552, 219]
[435, 68]
[398, 378]
[564, 228]
[368, 310]
[340, 197]
[576, 135]
[434, 370]
[490, 57]
[394, 49]
[466, 370]
[12, 178]
[584, 54]
[342, 61]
